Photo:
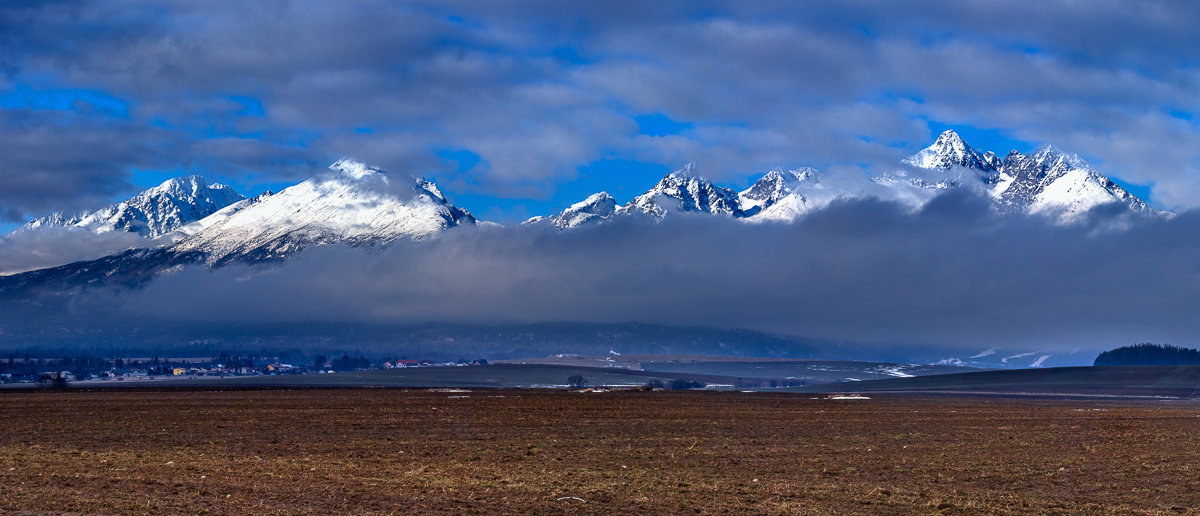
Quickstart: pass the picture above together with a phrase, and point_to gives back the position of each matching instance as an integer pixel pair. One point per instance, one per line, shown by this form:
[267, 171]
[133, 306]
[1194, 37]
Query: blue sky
[526, 109]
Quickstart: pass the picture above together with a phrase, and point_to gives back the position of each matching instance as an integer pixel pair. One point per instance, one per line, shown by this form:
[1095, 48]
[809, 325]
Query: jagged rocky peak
[992, 160]
[153, 212]
[684, 190]
[1048, 181]
[601, 204]
[1050, 157]
[1046, 161]
[596, 208]
[950, 151]
[775, 185]
[187, 187]
[1059, 183]
[686, 172]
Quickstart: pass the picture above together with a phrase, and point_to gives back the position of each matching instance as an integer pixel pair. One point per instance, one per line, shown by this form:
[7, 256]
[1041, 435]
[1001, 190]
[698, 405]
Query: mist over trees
[1148, 354]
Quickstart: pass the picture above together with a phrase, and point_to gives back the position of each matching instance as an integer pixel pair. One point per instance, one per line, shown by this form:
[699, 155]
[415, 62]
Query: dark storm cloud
[53, 156]
[537, 88]
[951, 274]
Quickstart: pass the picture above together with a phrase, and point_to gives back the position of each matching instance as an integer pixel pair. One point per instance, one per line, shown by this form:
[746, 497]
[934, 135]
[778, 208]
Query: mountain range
[1047, 182]
[185, 220]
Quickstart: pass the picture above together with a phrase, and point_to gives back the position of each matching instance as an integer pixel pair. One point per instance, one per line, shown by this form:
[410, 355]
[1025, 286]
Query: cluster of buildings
[31, 371]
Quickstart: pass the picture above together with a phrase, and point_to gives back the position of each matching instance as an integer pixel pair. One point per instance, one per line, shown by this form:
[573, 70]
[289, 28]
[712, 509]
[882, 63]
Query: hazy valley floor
[403, 451]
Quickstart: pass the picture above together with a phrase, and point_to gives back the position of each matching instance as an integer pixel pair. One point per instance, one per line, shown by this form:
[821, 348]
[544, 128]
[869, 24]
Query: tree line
[1148, 354]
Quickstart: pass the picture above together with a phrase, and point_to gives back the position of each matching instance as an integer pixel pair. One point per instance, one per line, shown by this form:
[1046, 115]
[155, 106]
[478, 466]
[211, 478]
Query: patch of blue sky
[68, 99]
[1181, 114]
[891, 95]
[1143, 192]
[658, 124]
[248, 185]
[465, 22]
[462, 159]
[569, 55]
[253, 185]
[250, 106]
[982, 139]
[622, 179]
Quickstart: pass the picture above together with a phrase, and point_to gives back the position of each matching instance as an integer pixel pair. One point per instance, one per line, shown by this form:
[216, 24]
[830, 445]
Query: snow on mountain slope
[352, 204]
[773, 186]
[151, 213]
[219, 216]
[1048, 182]
[785, 195]
[684, 191]
[596, 208]
[1058, 184]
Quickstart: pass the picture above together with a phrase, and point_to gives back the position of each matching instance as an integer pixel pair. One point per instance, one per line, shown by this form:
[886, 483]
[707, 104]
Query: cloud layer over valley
[952, 275]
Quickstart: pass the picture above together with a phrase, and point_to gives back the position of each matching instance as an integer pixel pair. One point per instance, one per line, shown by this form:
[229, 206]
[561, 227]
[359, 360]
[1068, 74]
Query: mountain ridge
[151, 213]
[1050, 182]
[354, 204]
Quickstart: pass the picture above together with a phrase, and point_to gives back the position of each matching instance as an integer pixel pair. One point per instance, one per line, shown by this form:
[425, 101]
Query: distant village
[65, 370]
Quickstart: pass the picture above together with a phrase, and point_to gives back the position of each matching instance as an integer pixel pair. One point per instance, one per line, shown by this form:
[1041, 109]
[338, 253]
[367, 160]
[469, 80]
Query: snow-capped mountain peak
[1050, 157]
[684, 191]
[687, 172]
[354, 169]
[153, 212]
[1061, 184]
[773, 186]
[950, 151]
[354, 204]
[599, 204]
[597, 207]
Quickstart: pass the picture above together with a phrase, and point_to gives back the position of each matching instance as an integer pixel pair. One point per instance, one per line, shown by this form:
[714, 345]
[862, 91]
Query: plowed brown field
[404, 451]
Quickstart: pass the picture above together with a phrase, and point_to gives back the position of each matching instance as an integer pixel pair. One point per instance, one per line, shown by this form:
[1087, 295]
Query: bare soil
[384, 451]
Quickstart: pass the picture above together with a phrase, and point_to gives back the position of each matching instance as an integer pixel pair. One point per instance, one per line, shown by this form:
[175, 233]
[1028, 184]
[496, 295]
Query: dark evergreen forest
[1148, 354]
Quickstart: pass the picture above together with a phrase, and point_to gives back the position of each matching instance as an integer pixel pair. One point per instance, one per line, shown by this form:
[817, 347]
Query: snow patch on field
[985, 353]
[1018, 355]
[895, 370]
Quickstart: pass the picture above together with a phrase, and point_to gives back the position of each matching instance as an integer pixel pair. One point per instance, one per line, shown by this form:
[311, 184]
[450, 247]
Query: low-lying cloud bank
[952, 275]
[22, 251]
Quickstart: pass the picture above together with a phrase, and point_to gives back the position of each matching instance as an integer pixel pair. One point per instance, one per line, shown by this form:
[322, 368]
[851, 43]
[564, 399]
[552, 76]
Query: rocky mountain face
[784, 195]
[685, 191]
[152, 213]
[1057, 183]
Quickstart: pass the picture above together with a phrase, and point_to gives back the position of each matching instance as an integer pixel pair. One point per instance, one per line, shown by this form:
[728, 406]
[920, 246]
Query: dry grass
[394, 451]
